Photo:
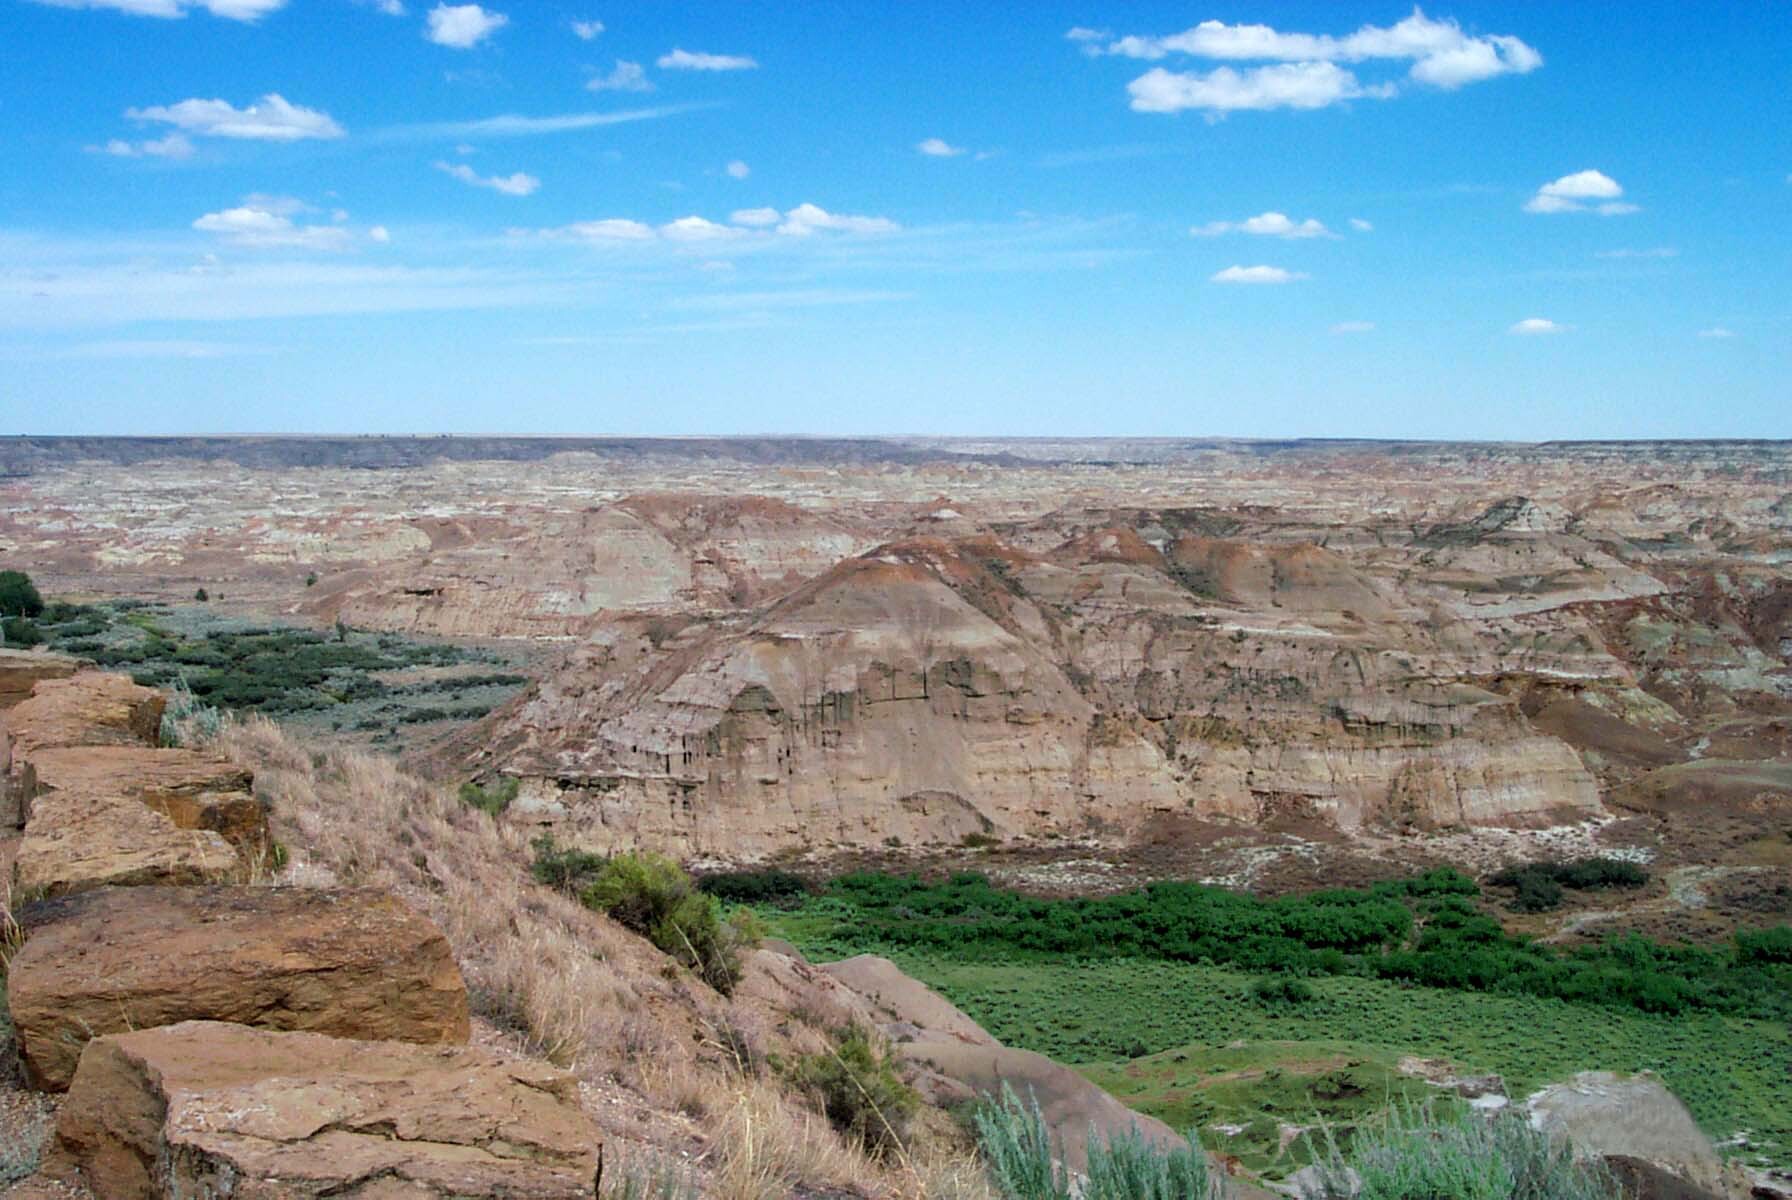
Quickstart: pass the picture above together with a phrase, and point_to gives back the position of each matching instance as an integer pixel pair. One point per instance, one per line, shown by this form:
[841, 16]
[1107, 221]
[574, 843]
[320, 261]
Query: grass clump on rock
[857, 1087]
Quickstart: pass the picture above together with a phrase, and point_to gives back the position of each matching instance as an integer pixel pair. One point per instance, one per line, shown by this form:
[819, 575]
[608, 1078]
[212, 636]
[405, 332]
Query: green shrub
[1537, 886]
[858, 1089]
[1278, 990]
[1017, 1147]
[21, 631]
[1765, 945]
[651, 895]
[568, 870]
[1414, 1154]
[768, 886]
[19, 596]
[492, 798]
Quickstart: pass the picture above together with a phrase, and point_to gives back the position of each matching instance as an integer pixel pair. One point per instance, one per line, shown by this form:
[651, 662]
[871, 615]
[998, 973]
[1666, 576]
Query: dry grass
[573, 986]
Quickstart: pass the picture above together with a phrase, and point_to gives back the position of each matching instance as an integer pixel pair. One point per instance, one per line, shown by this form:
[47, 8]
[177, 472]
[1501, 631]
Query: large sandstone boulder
[214, 1110]
[76, 841]
[92, 708]
[1633, 1117]
[193, 789]
[346, 962]
[22, 670]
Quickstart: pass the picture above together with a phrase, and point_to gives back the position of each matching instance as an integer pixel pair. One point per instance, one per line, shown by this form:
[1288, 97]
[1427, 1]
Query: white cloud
[697, 229]
[1081, 33]
[1255, 275]
[380, 234]
[623, 77]
[1361, 226]
[1716, 332]
[258, 226]
[1441, 53]
[757, 218]
[1269, 224]
[392, 8]
[271, 119]
[586, 30]
[1536, 326]
[512, 125]
[1651, 252]
[518, 184]
[234, 10]
[1303, 85]
[463, 26]
[690, 60]
[612, 229]
[175, 145]
[1578, 192]
[938, 148]
[1353, 327]
[737, 169]
[805, 219]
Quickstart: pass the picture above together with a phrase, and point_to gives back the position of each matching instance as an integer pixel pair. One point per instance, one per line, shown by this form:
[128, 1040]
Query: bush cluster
[1426, 930]
[767, 886]
[1538, 886]
[651, 894]
[492, 798]
[563, 867]
[856, 1086]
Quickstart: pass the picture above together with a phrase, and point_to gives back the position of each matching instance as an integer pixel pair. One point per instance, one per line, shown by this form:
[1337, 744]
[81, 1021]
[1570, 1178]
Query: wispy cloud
[587, 30]
[1255, 275]
[695, 60]
[270, 225]
[623, 77]
[514, 125]
[232, 10]
[1105, 154]
[174, 146]
[938, 148]
[1537, 327]
[164, 348]
[519, 184]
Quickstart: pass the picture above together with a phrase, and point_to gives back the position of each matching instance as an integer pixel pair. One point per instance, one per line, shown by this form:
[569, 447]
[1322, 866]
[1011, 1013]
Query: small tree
[18, 596]
[201, 595]
[311, 579]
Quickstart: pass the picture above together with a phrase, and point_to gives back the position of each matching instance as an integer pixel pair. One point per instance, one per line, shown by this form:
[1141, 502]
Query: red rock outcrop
[350, 963]
[205, 1109]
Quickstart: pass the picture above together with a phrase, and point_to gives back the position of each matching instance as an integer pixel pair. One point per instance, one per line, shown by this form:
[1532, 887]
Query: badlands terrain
[1034, 673]
[1263, 663]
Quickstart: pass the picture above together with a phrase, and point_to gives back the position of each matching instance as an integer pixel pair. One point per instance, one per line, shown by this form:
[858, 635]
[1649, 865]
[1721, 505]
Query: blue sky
[1515, 221]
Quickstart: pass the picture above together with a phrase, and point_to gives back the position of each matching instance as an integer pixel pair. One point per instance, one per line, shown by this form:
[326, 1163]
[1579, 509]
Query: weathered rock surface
[346, 962]
[193, 789]
[76, 841]
[93, 708]
[22, 670]
[1634, 1117]
[224, 1111]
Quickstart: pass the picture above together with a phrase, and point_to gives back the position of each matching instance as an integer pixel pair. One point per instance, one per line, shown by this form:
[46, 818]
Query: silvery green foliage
[1017, 1146]
[1418, 1155]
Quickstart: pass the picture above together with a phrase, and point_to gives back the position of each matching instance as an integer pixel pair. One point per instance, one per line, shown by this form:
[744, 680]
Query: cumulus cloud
[697, 229]
[938, 148]
[1269, 224]
[1441, 55]
[757, 218]
[380, 234]
[1583, 191]
[232, 10]
[268, 225]
[1353, 327]
[692, 60]
[1361, 226]
[518, 184]
[462, 26]
[806, 219]
[175, 146]
[623, 77]
[271, 119]
[1303, 85]
[1536, 326]
[586, 30]
[737, 170]
[1716, 332]
[1258, 274]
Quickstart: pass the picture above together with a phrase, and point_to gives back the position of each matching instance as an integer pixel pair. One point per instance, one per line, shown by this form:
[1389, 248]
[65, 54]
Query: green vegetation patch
[343, 679]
